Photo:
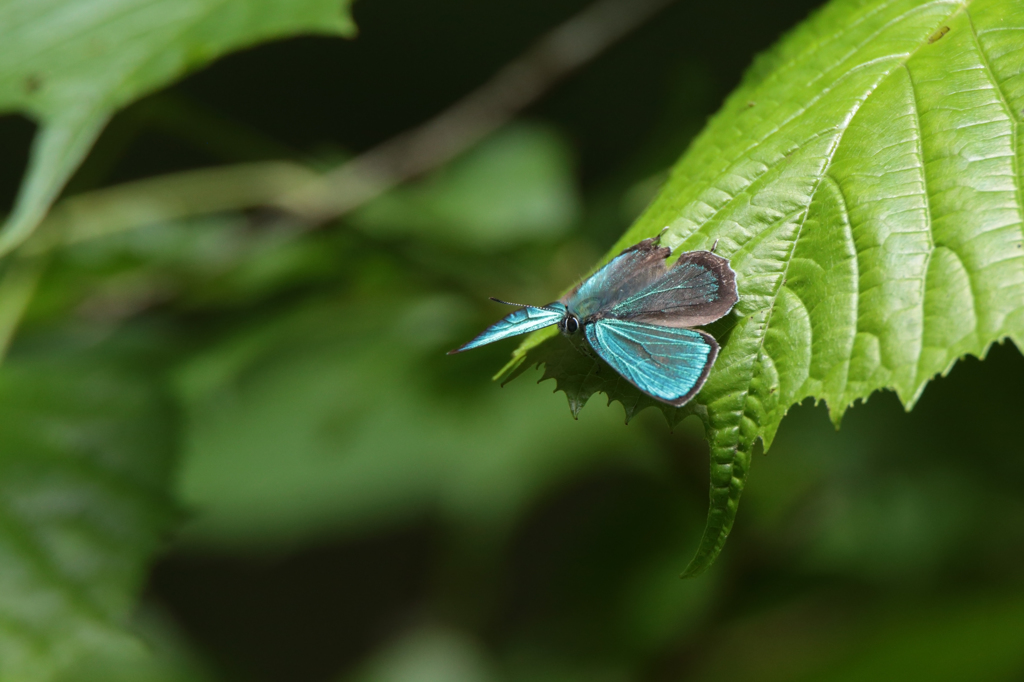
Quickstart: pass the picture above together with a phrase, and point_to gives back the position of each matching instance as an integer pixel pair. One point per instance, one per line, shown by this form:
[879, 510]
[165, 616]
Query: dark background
[889, 550]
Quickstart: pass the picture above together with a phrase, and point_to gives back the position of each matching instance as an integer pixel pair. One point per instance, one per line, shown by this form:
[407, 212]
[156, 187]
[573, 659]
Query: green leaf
[70, 64]
[515, 187]
[865, 181]
[85, 454]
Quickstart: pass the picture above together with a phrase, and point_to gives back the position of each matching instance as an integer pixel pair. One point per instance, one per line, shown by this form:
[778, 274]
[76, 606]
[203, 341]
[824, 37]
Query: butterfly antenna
[522, 305]
[714, 246]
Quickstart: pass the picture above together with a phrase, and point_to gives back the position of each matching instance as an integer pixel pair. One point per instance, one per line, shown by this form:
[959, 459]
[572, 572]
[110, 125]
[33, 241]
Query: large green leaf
[69, 64]
[85, 456]
[865, 182]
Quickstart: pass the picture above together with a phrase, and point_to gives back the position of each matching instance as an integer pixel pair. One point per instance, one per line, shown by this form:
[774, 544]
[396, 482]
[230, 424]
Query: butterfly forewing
[667, 363]
[521, 321]
[633, 270]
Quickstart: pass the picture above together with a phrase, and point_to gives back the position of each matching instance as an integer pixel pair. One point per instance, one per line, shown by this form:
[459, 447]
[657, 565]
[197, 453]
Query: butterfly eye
[571, 324]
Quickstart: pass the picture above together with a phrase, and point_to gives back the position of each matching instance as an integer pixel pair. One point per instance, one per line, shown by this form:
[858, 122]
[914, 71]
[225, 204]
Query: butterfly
[636, 313]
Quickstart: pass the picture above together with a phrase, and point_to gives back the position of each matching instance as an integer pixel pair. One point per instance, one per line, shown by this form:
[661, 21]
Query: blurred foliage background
[232, 448]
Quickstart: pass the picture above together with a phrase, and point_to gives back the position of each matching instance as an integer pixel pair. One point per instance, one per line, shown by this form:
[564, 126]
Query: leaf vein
[1008, 110]
[919, 152]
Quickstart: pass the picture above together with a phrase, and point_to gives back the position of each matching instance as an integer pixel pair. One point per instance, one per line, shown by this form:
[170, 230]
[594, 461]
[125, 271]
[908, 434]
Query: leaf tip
[835, 413]
[698, 566]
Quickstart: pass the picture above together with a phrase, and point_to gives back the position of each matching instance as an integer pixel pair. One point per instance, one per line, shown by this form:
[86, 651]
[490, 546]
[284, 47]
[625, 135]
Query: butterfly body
[637, 315]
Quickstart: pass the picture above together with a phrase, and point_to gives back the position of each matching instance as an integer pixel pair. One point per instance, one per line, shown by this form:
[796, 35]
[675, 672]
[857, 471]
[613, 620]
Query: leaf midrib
[1010, 115]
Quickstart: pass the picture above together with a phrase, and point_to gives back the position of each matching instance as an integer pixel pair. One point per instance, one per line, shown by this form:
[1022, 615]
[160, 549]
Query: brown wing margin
[678, 298]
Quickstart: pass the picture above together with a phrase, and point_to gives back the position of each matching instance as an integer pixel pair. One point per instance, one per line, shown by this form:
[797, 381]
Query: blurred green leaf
[206, 262]
[344, 415]
[865, 181]
[85, 456]
[513, 188]
[975, 636]
[69, 64]
[897, 498]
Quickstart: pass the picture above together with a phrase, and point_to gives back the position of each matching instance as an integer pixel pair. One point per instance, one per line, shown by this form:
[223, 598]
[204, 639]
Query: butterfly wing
[520, 322]
[667, 363]
[697, 290]
[633, 270]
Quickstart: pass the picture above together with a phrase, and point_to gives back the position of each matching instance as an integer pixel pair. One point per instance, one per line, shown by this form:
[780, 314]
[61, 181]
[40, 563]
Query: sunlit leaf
[865, 181]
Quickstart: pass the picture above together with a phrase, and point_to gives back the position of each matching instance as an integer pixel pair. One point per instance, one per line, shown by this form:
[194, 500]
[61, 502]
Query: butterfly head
[569, 324]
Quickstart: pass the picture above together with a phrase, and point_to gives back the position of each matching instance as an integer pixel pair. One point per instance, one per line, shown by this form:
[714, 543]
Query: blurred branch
[316, 197]
[468, 121]
[171, 197]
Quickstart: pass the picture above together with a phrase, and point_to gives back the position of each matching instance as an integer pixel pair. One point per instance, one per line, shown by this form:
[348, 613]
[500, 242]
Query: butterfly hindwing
[697, 290]
[521, 321]
[667, 363]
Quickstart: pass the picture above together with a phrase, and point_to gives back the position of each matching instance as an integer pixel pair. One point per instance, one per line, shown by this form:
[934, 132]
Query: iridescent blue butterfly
[636, 313]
